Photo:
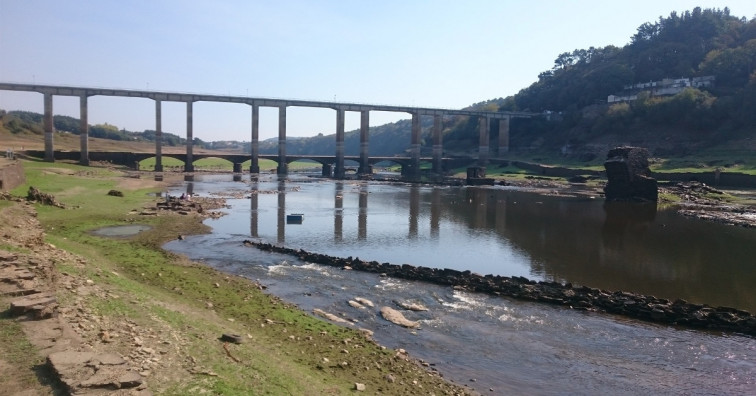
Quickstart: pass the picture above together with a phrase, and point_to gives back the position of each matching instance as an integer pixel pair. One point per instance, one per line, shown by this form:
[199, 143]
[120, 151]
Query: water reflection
[253, 210]
[614, 246]
[414, 210]
[363, 212]
[281, 212]
[623, 219]
[338, 212]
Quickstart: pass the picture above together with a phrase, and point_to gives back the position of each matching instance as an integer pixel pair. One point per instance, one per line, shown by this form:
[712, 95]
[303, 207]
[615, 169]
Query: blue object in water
[294, 218]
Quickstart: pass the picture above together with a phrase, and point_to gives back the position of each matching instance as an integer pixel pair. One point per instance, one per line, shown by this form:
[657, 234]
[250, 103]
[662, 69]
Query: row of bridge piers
[334, 167]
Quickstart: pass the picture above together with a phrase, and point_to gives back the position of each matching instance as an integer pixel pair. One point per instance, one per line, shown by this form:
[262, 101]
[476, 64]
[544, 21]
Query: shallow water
[121, 231]
[503, 344]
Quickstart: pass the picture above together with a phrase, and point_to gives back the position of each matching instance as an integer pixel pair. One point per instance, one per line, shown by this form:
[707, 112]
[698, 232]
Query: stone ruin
[629, 178]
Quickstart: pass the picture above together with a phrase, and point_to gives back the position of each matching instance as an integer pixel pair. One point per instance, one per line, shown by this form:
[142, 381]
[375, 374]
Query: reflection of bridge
[413, 209]
[411, 166]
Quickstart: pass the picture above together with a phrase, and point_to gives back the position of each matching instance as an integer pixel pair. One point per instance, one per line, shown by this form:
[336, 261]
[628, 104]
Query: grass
[19, 354]
[160, 290]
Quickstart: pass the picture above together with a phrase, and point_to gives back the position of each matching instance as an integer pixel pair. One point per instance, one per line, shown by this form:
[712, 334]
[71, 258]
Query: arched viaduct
[410, 164]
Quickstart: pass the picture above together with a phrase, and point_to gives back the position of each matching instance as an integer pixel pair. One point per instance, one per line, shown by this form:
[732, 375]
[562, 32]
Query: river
[489, 342]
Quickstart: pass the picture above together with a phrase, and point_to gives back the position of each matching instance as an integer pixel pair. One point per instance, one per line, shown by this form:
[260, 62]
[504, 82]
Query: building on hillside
[665, 87]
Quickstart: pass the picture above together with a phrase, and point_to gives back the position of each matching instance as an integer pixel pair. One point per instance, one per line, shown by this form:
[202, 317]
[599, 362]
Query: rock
[364, 301]
[232, 338]
[359, 387]
[397, 318]
[411, 306]
[32, 302]
[35, 195]
[330, 317]
[628, 176]
[355, 304]
[115, 193]
[80, 371]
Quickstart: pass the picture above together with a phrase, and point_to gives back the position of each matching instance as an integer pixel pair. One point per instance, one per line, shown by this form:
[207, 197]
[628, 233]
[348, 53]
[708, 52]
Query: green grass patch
[21, 356]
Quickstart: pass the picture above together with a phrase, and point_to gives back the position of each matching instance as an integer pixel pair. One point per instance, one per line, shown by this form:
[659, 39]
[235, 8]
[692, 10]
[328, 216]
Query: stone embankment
[648, 308]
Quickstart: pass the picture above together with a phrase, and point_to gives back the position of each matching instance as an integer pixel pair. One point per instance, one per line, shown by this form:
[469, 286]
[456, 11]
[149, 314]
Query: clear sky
[425, 53]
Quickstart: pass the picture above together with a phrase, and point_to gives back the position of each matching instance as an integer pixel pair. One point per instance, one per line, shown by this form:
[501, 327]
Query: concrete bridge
[413, 165]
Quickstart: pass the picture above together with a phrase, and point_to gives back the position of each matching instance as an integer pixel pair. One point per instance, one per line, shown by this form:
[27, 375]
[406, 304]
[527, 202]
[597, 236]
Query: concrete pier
[49, 128]
[483, 149]
[503, 136]
[254, 166]
[438, 144]
[83, 131]
[339, 172]
[158, 137]
[282, 169]
[365, 168]
[189, 165]
[414, 171]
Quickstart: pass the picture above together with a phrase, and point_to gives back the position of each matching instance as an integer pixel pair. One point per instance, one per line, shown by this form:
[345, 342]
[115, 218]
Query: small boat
[294, 218]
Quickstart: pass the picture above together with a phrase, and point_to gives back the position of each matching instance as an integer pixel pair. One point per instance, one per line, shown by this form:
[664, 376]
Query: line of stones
[647, 308]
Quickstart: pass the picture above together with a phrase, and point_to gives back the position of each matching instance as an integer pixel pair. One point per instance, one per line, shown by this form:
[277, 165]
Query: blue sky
[425, 53]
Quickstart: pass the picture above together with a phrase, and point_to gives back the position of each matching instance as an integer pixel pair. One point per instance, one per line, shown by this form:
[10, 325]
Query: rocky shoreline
[648, 308]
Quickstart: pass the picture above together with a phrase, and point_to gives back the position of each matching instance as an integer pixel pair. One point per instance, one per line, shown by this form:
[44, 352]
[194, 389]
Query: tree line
[19, 121]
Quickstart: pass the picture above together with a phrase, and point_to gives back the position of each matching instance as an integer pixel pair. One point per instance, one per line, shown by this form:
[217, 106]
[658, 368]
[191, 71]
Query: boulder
[397, 318]
[628, 176]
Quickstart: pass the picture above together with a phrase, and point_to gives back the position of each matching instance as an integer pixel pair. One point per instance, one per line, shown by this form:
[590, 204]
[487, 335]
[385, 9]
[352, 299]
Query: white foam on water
[390, 285]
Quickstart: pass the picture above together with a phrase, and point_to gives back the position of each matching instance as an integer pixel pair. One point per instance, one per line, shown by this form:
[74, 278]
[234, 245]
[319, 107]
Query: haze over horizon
[421, 53]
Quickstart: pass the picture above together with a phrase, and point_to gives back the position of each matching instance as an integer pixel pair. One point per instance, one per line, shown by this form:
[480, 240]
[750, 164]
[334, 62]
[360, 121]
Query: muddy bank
[647, 308]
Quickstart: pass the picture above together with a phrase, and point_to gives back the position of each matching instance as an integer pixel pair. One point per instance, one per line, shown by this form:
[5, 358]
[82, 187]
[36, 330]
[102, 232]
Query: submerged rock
[397, 318]
[411, 306]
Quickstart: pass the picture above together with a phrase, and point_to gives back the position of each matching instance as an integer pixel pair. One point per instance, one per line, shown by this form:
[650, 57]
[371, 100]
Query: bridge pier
[158, 137]
[238, 167]
[413, 170]
[254, 166]
[483, 149]
[282, 165]
[438, 147]
[365, 168]
[49, 128]
[326, 170]
[503, 136]
[83, 131]
[189, 164]
[339, 172]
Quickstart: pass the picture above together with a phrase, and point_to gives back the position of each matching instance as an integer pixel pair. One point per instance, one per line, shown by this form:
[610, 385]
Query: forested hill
[696, 43]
